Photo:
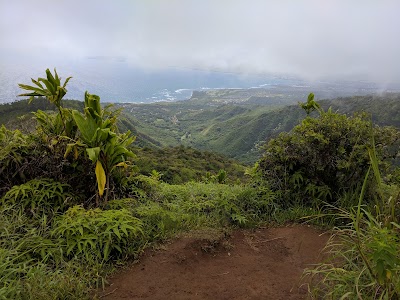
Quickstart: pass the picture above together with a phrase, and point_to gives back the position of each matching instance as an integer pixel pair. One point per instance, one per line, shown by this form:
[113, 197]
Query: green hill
[237, 130]
[235, 127]
[182, 164]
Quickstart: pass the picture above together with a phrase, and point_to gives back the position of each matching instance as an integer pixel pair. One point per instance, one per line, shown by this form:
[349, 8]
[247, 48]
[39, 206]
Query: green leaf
[50, 77]
[36, 90]
[56, 79]
[48, 85]
[66, 81]
[116, 231]
[87, 127]
[37, 83]
[68, 150]
[122, 164]
[93, 153]
[106, 250]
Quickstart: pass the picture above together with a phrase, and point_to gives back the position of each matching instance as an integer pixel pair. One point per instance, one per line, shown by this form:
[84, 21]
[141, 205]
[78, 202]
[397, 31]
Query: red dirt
[265, 263]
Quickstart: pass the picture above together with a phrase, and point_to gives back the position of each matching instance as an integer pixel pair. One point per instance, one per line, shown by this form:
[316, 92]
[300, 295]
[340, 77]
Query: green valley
[237, 129]
[222, 121]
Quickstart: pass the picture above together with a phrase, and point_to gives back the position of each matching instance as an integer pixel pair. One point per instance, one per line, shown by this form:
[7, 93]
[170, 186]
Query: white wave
[179, 91]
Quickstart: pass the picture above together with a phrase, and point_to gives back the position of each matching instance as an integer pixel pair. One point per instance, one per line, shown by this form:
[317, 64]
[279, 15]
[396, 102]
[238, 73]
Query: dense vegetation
[181, 164]
[73, 202]
[325, 158]
[236, 128]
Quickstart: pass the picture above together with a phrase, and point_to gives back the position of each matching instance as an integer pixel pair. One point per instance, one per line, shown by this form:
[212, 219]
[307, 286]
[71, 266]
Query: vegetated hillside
[235, 127]
[271, 96]
[237, 130]
[178, 165]
[72, 205]
[385, 109]
[17, 115]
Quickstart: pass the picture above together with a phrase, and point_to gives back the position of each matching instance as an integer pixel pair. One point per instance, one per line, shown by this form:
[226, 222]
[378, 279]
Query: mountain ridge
[219, 122]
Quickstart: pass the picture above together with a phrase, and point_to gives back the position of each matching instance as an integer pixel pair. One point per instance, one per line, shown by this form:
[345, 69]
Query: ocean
[116, 81]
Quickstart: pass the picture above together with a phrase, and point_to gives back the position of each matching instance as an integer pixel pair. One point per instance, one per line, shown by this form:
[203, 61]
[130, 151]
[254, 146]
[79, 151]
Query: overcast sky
[310, 38]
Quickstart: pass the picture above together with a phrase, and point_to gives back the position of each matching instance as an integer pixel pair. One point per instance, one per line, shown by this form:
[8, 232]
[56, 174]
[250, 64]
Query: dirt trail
[266, 263]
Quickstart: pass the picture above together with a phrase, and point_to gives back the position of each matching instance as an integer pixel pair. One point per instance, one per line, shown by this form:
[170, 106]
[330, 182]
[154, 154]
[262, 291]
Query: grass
[61, 255]
[364, 261]
[51, 248]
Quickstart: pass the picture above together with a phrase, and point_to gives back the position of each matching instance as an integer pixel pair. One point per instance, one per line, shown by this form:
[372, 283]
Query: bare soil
[265, 263]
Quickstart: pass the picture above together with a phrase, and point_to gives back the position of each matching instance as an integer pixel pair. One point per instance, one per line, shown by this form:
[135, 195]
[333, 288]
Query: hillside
[181, 164]
[229, 122]
[238, 129]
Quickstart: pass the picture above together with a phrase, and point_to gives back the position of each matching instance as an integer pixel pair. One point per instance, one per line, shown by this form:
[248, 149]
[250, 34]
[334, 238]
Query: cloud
[312, 38]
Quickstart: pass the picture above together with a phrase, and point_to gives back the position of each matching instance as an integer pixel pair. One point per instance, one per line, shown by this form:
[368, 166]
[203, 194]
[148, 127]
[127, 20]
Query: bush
[28, 157]
[39, 196]
[14, 147]
[96, 233]
[159, 221]
[364, 261]
[224, 204]
[324, 157]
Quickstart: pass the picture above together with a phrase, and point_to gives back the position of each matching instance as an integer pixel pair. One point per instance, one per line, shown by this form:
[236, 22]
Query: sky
[312, 39]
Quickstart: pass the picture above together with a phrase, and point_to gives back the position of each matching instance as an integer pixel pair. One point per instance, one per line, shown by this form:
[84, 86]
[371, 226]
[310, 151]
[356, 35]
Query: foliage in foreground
[96, 232]
[364, 263]
[71, 253]
[31, 261]
[364, 260]
[91, 135]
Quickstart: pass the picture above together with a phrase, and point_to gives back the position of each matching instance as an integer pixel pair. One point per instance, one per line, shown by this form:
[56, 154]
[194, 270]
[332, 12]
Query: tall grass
[364, 253]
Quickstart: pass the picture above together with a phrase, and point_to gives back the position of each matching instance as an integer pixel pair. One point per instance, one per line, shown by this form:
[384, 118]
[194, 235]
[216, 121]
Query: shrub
[92, 133]
[224, 204]
[160, 221]
[27, 157]
[96, 233]
[323, 157]
[364, 254]
[14, 147]
[39, 196]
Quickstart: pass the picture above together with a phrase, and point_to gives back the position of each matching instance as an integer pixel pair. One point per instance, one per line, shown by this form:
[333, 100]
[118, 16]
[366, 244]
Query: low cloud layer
[314, 39]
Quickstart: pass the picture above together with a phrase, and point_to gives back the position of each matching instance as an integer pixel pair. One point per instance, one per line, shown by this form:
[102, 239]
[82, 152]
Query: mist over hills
[115, 81]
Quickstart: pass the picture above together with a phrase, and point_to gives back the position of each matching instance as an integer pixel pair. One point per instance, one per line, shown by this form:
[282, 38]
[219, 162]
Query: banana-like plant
[103, 145]
[310, 105]
[51, 88]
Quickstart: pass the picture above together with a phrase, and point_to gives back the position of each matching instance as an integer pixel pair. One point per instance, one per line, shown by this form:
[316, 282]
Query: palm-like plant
[50, 88]
[97, 129]
[104, 147]
[310, 105]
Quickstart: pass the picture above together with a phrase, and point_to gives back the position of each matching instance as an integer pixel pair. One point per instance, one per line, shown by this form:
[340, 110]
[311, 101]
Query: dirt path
[266, 263]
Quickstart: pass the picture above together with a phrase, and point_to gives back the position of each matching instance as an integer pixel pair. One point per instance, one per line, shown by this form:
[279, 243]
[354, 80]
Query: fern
[39, 195]
[96, 233]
